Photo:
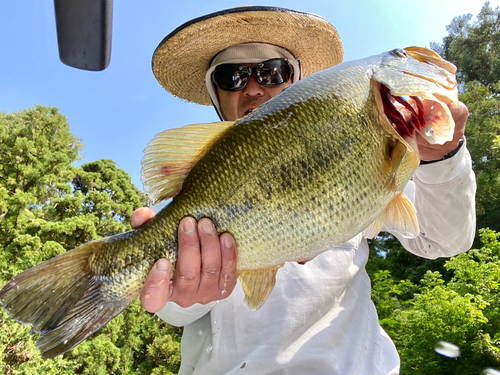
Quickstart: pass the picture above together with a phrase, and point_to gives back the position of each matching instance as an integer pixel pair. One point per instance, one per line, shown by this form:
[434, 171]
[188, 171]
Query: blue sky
[116, 112]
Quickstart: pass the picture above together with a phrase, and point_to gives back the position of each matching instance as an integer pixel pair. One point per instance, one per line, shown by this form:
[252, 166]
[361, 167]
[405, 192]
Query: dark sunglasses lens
[232, 77]
[273, 73]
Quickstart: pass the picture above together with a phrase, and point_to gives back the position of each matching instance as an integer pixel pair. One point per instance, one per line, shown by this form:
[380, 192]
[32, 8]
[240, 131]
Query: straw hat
[183, 57]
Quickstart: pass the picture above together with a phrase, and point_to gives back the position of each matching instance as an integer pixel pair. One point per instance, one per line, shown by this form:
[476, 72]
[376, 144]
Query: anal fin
[258, 285]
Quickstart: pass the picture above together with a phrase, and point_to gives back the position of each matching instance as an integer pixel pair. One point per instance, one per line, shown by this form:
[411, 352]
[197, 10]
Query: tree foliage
[483, 142]
[454, 300]
[474, 47]
[464, 311]
[48, 206]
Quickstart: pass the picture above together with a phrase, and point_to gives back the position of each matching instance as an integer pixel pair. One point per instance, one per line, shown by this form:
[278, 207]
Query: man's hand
[205, 270]
[430, 152]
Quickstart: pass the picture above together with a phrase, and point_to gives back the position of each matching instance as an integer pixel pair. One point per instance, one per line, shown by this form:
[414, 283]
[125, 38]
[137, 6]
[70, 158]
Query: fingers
[156, 291]
[187, 270]
[437, 152]
[141, 216]
[205, 270]
[228, 276]
[211, 261]
[460, 115]
[206, 265]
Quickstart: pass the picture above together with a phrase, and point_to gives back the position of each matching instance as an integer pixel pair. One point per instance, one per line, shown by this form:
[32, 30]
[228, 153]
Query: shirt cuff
[444, 170]
[179, 316]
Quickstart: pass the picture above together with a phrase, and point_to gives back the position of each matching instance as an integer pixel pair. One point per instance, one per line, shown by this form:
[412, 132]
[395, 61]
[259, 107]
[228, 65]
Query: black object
[84, 32]
[448, 155]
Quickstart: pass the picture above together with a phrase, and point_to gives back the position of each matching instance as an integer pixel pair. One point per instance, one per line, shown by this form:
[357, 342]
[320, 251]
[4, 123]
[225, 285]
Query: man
[319, 319]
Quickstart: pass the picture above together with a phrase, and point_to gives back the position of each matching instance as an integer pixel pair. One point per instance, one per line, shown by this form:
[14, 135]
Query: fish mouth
[405, 117]
[416, 87]
[429, 56]
[409, 115]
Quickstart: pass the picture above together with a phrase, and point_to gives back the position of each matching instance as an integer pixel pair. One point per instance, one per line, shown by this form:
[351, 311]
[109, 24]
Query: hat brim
[182, 59]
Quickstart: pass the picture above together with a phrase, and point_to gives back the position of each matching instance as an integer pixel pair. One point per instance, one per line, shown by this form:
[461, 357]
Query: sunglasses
[234, 77]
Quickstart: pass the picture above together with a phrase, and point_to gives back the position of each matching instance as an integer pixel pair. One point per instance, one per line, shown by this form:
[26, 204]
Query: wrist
[448, 155]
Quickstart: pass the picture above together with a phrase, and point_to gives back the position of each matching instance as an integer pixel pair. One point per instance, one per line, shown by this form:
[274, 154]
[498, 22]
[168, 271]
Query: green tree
[48, 206]
[464, 311]
[483, 142]
[474, 47]
[388, 254]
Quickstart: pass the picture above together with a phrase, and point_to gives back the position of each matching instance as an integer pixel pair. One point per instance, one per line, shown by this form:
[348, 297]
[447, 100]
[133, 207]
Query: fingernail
[189, 225]
[227, 241]
[207, 226]
[162, 265]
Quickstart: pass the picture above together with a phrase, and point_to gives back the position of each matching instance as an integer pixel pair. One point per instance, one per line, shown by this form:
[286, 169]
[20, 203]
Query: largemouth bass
[322, 161]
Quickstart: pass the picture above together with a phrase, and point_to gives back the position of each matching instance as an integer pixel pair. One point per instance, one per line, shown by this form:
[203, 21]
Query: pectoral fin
[258, 285]
[400, 215]
[171, 154]
[396, 152]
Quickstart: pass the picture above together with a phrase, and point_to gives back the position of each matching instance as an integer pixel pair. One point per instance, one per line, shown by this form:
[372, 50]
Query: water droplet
[101, 307]
[209, 348]
[215, 321]
[224, 291]
[447, 349]
[200, 332]
[490, 371]
[429, 132]
[65, 342]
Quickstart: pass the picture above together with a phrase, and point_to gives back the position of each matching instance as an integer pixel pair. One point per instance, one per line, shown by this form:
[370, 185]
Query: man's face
[236, 104]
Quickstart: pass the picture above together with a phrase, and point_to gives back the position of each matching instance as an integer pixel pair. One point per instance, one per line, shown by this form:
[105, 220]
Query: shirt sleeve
[444, 197]
[178, 316]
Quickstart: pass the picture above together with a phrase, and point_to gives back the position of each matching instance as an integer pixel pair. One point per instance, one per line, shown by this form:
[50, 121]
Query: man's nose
[253, 88]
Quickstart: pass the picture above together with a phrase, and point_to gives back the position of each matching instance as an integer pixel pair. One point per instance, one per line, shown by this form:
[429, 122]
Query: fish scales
[293, 175]
[306, 171]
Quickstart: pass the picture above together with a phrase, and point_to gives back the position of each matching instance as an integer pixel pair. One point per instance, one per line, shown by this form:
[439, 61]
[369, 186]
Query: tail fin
[63, 299]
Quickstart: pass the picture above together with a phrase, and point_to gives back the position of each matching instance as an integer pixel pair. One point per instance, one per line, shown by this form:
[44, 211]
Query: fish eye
[399, 52]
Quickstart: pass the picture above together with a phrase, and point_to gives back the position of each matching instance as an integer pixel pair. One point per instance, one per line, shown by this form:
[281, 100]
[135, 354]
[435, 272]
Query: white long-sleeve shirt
[320, 319]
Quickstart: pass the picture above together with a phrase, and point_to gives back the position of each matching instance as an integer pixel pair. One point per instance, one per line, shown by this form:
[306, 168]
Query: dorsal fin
[172, 153]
